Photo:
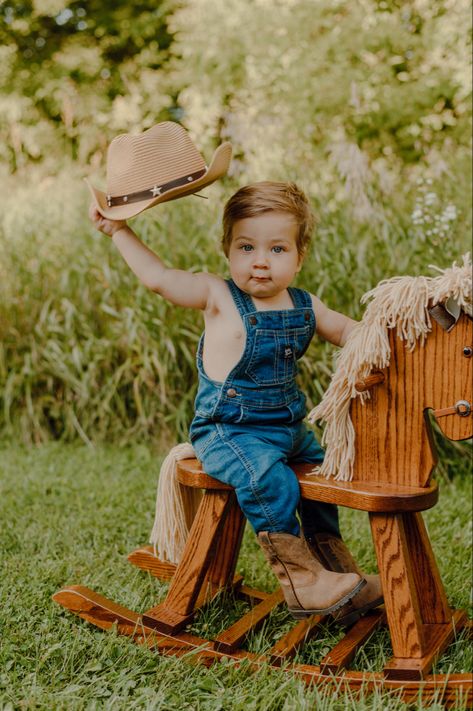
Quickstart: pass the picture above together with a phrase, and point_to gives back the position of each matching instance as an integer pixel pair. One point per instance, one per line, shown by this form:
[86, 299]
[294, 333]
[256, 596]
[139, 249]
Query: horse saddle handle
[462, 408]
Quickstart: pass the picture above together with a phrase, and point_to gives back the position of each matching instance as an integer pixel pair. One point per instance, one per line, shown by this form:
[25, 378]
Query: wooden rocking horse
[392, 467]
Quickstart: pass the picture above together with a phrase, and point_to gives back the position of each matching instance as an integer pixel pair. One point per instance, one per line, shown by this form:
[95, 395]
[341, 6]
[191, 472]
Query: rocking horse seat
[362, 495]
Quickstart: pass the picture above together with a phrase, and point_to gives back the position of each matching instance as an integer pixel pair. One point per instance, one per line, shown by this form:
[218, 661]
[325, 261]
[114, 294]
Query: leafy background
[366, 105]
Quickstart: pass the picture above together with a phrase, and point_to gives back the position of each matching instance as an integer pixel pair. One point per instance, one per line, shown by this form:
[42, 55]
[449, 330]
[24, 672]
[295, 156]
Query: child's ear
[300, 262]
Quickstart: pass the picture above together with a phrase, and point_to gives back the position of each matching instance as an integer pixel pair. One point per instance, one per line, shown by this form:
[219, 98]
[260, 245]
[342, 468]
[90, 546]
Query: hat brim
[218, 167]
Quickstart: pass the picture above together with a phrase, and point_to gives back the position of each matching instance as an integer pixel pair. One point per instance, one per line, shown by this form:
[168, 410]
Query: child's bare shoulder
[219, 294]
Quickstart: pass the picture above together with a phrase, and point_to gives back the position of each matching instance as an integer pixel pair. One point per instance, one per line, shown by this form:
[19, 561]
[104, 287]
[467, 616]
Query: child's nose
[260, 259]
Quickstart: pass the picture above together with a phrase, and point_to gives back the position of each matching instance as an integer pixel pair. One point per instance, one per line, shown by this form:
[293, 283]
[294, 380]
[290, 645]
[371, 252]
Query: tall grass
[86, 351]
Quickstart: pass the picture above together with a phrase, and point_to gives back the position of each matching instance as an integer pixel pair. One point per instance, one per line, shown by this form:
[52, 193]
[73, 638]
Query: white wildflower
[431, 220]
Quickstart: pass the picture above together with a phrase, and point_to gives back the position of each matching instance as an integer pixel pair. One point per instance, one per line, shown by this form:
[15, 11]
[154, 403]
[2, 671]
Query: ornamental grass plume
[352, 165]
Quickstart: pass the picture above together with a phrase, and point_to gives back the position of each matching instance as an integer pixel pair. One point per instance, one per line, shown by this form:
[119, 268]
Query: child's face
[263, 254]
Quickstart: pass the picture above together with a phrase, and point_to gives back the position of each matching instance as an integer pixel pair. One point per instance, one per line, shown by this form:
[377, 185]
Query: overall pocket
[274, 355]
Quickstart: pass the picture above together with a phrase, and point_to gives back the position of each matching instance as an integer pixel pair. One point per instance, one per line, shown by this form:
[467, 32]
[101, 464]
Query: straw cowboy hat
[158, 165]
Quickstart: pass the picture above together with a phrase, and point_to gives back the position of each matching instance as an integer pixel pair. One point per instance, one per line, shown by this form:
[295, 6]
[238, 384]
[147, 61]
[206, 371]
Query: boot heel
[301, 614]
[348, 597]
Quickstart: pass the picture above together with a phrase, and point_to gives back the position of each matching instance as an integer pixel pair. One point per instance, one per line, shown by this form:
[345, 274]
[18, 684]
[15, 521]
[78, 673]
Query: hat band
[155, 191]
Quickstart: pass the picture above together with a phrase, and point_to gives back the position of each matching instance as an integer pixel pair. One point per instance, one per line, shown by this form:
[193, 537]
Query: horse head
[393, 439]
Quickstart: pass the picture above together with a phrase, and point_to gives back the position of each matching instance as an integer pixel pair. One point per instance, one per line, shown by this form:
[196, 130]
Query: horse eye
[467, 351]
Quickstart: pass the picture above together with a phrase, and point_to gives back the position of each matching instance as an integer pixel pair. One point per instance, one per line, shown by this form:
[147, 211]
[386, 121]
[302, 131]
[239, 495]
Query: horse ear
[446, 315]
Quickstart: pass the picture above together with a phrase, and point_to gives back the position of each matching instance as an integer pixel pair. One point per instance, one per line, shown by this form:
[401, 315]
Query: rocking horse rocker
[412, 352]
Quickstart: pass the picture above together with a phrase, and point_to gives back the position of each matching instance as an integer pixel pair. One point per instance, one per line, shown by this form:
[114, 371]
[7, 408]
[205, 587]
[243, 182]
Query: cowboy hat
[155, 166]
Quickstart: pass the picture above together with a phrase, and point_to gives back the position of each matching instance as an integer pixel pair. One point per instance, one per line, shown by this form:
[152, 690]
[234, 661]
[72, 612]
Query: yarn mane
[402, 303]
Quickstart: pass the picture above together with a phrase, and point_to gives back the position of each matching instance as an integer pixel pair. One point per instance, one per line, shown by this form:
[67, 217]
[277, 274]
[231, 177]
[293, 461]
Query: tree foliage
[336, 91]
[270, 74]
[286, 80]
[74, 70]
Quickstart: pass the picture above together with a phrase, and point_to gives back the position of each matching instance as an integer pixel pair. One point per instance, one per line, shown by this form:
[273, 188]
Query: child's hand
[102, 224]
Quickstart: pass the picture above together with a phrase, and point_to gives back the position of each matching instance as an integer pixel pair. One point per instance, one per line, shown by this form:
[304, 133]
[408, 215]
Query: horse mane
[399, 302]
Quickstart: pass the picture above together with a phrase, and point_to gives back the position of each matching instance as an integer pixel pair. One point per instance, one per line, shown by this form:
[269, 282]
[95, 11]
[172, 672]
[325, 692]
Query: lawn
[71, 513]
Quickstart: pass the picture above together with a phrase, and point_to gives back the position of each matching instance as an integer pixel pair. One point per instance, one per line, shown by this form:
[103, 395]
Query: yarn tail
[176, 506]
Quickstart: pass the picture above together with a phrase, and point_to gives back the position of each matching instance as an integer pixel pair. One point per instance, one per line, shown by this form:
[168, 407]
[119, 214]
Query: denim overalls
[247, 428]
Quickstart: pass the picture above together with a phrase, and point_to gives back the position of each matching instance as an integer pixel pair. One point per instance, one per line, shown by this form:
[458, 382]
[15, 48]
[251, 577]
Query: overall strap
[300, 298]
[242, 301]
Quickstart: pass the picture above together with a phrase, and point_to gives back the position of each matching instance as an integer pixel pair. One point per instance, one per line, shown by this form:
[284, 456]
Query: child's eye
[277, 249]
[246, 247]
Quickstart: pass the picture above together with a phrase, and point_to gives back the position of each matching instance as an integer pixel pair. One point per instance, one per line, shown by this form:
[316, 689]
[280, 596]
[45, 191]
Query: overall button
[307, 316]
[253, 320]
[231, 392]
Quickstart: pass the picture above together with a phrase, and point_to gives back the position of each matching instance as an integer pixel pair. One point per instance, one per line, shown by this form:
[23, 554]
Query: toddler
[249, 411]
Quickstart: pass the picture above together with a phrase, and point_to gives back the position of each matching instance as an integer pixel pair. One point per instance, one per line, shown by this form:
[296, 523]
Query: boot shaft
[333, 553]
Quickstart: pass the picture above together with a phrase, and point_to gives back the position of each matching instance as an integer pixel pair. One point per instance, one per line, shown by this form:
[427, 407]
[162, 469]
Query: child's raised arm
[180, 287]
[331, 325]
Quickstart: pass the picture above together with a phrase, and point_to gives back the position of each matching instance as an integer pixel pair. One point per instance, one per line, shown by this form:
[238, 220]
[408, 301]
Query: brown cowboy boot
[333, 553]
[308, 588]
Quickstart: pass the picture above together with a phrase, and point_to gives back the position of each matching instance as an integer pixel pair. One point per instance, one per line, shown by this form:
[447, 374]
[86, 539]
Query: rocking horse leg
[435, 609]
[419, 632]
[177, 609]
[398, 582]
[223, 565]
[441, 623]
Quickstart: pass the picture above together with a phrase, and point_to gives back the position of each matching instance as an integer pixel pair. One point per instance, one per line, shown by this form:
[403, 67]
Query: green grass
[70, 514]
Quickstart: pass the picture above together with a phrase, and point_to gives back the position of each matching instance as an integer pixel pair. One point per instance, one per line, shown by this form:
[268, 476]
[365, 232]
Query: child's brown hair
[267, 196]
